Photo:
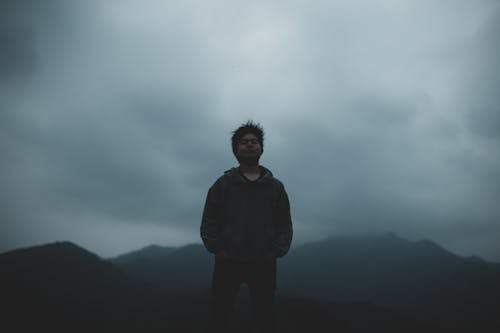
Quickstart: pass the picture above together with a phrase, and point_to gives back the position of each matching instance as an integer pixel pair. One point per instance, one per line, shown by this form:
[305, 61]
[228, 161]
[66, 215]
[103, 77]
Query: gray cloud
[483, 70]
[116, 117]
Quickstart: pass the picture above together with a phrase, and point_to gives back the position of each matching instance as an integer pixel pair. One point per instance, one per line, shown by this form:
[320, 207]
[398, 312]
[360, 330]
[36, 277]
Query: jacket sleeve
[283, 225]
[209, 222]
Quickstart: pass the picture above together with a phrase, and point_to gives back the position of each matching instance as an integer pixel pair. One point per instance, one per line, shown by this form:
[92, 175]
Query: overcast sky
[379, 116]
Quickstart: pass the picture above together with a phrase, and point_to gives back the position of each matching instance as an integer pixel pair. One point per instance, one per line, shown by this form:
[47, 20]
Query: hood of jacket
[235, 175]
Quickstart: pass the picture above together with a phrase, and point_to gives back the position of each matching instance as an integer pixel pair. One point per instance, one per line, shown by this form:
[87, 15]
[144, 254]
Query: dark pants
[228, 275]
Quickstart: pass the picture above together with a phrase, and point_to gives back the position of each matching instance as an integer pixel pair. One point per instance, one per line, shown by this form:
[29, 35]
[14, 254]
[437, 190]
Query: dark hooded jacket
[247, 219]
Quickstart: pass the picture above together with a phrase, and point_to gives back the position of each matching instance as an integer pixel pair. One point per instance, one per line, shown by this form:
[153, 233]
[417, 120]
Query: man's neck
[251, 172]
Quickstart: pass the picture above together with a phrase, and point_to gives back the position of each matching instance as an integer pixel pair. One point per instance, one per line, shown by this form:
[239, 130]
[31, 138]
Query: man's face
[248, 150]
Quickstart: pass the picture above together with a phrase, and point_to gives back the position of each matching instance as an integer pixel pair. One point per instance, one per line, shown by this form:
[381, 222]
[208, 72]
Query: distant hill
[416, 277]
[152, 253]
[61, 287]
[185, 268]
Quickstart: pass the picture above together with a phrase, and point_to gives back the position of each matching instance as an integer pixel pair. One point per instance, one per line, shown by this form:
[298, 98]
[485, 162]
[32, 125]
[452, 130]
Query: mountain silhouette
[181, 269]
[61, 287]
[419, 277]
[154, 253]
[416, 277]
[352, 284]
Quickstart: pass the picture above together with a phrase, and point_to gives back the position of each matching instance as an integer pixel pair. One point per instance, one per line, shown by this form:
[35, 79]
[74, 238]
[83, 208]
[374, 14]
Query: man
[247, 225]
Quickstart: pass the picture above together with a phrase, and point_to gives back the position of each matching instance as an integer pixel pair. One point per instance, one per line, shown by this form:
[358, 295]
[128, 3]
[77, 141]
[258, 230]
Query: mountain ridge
[418, 277]
[36, 302]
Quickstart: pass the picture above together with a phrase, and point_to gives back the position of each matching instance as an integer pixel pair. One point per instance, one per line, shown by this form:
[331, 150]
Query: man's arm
[209, 222]
[283, 224]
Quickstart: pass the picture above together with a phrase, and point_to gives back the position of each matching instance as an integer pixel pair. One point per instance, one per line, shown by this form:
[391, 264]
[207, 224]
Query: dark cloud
[482, 81]
[18, 56]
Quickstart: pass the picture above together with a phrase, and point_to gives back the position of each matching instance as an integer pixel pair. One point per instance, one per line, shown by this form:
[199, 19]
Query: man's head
[248, 143]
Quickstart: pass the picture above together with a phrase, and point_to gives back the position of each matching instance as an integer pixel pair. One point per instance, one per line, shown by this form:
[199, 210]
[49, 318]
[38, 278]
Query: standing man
[247, 225]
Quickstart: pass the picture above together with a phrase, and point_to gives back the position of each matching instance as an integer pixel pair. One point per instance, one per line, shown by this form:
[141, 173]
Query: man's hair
[249, 127]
